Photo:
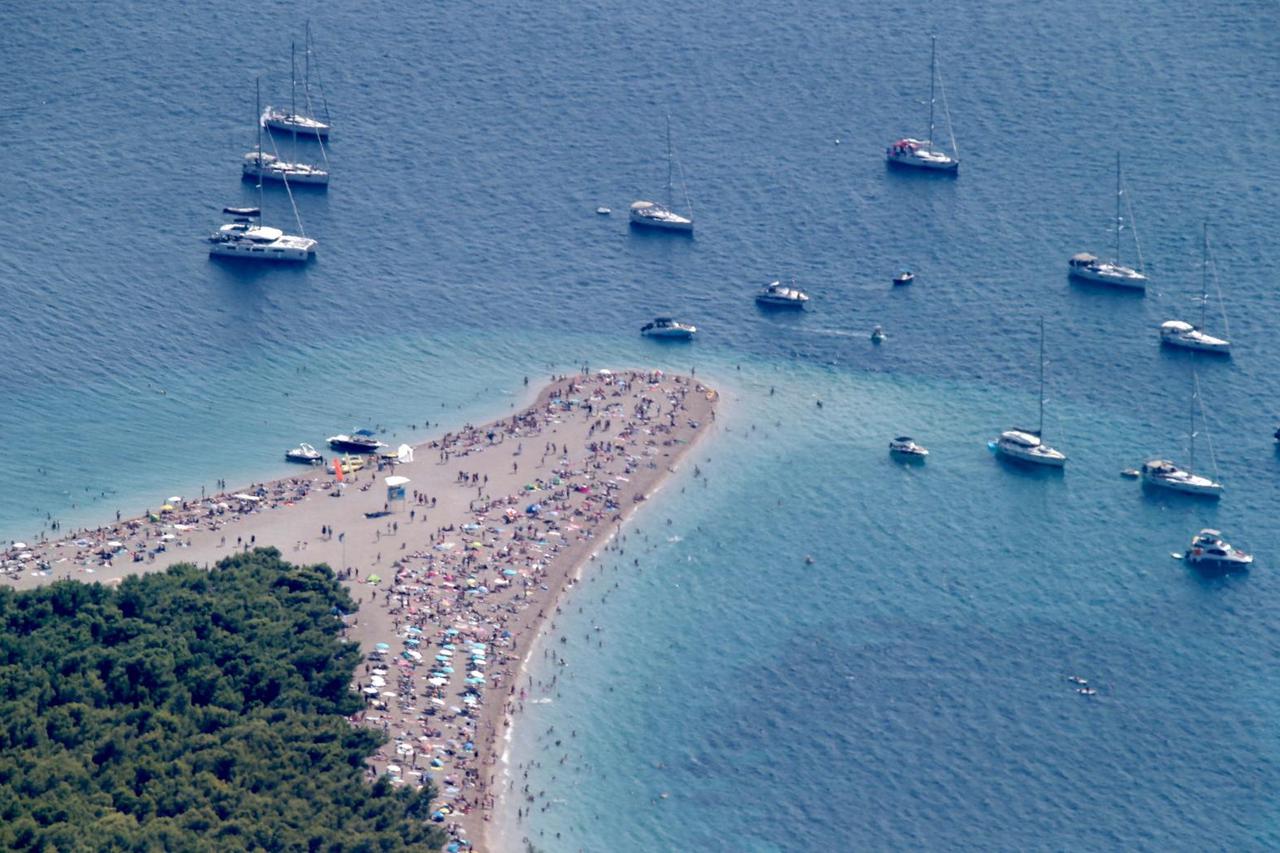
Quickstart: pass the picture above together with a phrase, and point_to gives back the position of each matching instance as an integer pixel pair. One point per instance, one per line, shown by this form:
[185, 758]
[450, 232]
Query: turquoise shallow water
[907, 689]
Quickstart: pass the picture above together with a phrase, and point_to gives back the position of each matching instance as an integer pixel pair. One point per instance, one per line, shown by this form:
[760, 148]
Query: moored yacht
[778, 295]
[1026, 445]
[245, 239]
[361, 441]
[291, 121]
[305, 454]
[651, 214]
[905, 445]
[259, 164]
[666, 327]
[921, 153]
[1208, 546]
[1088, 267]
[1179, 333]
[904, 277]
[1166, 475]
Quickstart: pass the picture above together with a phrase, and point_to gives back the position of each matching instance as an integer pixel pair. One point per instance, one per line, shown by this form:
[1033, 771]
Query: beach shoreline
[489, 542]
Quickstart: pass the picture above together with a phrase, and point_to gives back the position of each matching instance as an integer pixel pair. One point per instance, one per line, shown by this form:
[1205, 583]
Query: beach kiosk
[395, 488]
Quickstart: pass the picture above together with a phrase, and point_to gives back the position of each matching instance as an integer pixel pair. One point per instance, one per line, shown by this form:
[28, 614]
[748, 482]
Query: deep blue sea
[907, 690]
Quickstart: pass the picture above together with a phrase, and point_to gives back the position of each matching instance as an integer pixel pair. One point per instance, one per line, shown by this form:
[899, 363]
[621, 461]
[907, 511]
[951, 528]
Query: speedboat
[905, 445]
[1166, 475]
[666, 327]
[1026, 446]
[904, 277]
[920, 154]
[244, 239]
[1177, 333]
[1277, 435]
[1207, 546]
[292, 122]
[650, 214]
[777, 295]
[305, 454]
[361, 441]
[877, 335]
[1089, 268]
[269, 166]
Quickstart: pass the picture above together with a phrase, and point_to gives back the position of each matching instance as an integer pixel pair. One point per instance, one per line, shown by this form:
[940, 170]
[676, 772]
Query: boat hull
[285, 126]
[683, 226]
[1096, 277]
[260, 253]
[1206, 489]
[948, 166]
[1021, 454]
[1217, 347]
[315, 177]
[776, 302]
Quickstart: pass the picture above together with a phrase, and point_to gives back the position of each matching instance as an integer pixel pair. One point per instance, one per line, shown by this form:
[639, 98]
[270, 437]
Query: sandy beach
[455, 580]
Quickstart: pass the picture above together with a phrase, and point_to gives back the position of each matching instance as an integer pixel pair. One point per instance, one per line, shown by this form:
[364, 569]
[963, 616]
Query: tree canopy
[191, 710]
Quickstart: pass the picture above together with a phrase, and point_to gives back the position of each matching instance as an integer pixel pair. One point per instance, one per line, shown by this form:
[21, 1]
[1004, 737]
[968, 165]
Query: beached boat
[777, 295]
[1177, 333]
[1208, 547]
[1166, 475]
[246, 237]
[1027, 445]
[921, 153]
[1087, 267]
[905, 445]
[304, 453]
[361, 441]
[667, 327]
[651, 214]
[292, 121]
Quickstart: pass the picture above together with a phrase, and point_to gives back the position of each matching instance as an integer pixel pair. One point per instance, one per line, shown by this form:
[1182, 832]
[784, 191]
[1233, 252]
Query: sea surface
[907, 687]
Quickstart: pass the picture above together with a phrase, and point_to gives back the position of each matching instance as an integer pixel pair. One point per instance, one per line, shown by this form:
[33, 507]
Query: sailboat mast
[1204, 274]
[293, 82]
[1195, 389]
[1040, 430]
[257, 106]
[1117, 208]
[670, 191]
[933, 59]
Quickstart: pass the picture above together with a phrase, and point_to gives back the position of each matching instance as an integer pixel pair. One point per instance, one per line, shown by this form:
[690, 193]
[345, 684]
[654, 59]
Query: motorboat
[651, 214]
[245, 239]
[1277, 434]
[259, 164]
[904, 277]
[1177, 333]
[905, 445]
[1026, 446]
[877, 335]
[666, 327]
[775, 294]
[1208, 547]
[304, 453]
[361, 441]
[1166, 475]
[920, 154]
[1088, 267]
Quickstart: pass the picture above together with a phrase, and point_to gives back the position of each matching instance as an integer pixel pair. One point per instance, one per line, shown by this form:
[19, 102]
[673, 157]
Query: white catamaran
[1178, 333]
[920, 153]
[1026, 445]
[1088, 267]
[651, 214]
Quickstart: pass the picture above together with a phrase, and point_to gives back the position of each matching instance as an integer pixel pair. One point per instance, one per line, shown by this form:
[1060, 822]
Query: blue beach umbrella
[382, 647]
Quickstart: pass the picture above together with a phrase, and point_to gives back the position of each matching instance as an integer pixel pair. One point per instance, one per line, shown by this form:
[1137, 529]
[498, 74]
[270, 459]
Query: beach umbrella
[415, 655]
[437, 681]
[382, 647]
[375, 579]
[389, 694]
[21, 545]
[372, 691]
[412, 642]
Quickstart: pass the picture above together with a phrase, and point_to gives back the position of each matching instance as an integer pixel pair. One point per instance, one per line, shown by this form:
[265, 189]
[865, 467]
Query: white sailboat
[1166, 475]
[1178, 333]
[258, 164]
[651, 214]
[1088, 267]
[246, 237]
[293, 121]
[1026, 445]
[921, 153]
